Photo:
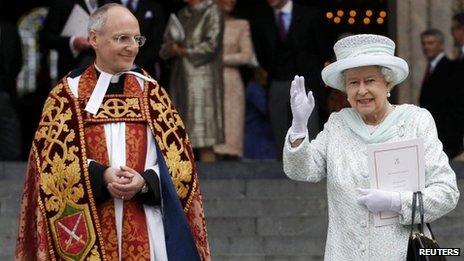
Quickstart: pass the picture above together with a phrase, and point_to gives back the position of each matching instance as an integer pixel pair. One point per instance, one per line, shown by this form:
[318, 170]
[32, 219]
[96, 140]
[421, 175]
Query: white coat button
[363, 224]
[362, 247]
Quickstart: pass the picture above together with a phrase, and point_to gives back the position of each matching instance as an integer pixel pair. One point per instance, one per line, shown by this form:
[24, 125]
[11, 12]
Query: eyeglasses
[123, 39]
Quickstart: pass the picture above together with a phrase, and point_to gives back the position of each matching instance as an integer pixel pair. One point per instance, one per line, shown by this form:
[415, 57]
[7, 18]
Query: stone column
[411, 17]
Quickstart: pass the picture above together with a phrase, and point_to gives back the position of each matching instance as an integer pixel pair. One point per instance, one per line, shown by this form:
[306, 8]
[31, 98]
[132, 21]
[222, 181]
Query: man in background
[457, 91]
[10, 66]
[289, 40]
[73, 51]
[436, 86]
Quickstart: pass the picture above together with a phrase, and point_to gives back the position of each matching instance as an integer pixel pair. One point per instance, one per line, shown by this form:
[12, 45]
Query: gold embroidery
[94, 255]
[169, 132]
[60, 179]
[118, 108]
[63, 165]
[180, 170]
[60, 184]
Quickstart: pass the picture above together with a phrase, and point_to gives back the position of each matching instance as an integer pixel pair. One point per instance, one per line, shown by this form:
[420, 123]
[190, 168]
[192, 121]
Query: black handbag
[417, 239]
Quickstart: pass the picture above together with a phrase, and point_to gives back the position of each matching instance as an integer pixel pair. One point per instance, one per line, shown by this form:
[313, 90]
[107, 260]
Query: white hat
[364, 50]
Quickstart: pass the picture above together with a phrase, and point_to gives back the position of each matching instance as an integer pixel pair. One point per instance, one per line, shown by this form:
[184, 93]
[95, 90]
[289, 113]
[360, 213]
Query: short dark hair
[459, 17]
[434, 32]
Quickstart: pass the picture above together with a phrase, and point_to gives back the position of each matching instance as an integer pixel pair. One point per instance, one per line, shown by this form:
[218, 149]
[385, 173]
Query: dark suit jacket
[438, 95]
[151, 21]
[50, 37]
[303, 52]
[432, 92]
[456, 108]
[10, 58]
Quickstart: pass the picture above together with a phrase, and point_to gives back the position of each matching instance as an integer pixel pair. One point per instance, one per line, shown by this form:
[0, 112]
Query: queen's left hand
[379, 200]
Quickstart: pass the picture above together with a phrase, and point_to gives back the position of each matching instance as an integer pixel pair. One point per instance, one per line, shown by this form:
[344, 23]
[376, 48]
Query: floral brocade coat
[196, 82]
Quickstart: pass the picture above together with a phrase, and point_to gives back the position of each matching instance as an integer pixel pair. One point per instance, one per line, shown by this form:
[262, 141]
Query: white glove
[379, 200]
[302, 106]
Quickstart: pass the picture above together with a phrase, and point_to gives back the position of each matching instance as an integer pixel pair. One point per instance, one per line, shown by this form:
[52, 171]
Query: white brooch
[401, 129]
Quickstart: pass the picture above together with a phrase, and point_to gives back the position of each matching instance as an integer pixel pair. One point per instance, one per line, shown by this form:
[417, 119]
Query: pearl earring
[388, 94]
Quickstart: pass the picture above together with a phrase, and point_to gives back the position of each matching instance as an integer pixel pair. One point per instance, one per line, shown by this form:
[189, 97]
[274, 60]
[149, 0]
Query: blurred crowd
[229, 77]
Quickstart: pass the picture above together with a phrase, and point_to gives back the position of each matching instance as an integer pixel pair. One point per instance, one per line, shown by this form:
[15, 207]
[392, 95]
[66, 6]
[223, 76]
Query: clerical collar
[114, 78]
[104, 79]
[136, 71]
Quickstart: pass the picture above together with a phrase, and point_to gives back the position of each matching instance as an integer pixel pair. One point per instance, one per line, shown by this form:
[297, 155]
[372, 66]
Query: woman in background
[196, 83]
[238, 51]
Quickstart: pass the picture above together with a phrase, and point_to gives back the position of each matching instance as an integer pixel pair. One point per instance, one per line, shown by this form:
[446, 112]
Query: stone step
[267, 245]
[261, 189]
[449, 226]
[8, 227]
[13, 170]
[265, 207]
[311, 227]
[10, 197]
[241, 170]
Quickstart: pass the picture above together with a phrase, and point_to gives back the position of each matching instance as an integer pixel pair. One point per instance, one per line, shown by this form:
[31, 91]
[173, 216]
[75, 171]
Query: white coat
[339, 153]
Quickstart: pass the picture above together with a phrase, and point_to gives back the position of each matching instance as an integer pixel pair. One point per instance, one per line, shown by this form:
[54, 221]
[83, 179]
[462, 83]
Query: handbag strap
[421, 210]
[414, 196]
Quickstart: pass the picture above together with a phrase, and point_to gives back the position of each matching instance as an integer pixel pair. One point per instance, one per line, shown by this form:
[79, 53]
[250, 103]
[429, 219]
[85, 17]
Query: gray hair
[386, 72]
[388, 75]
[434, 32]
[98, 18]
